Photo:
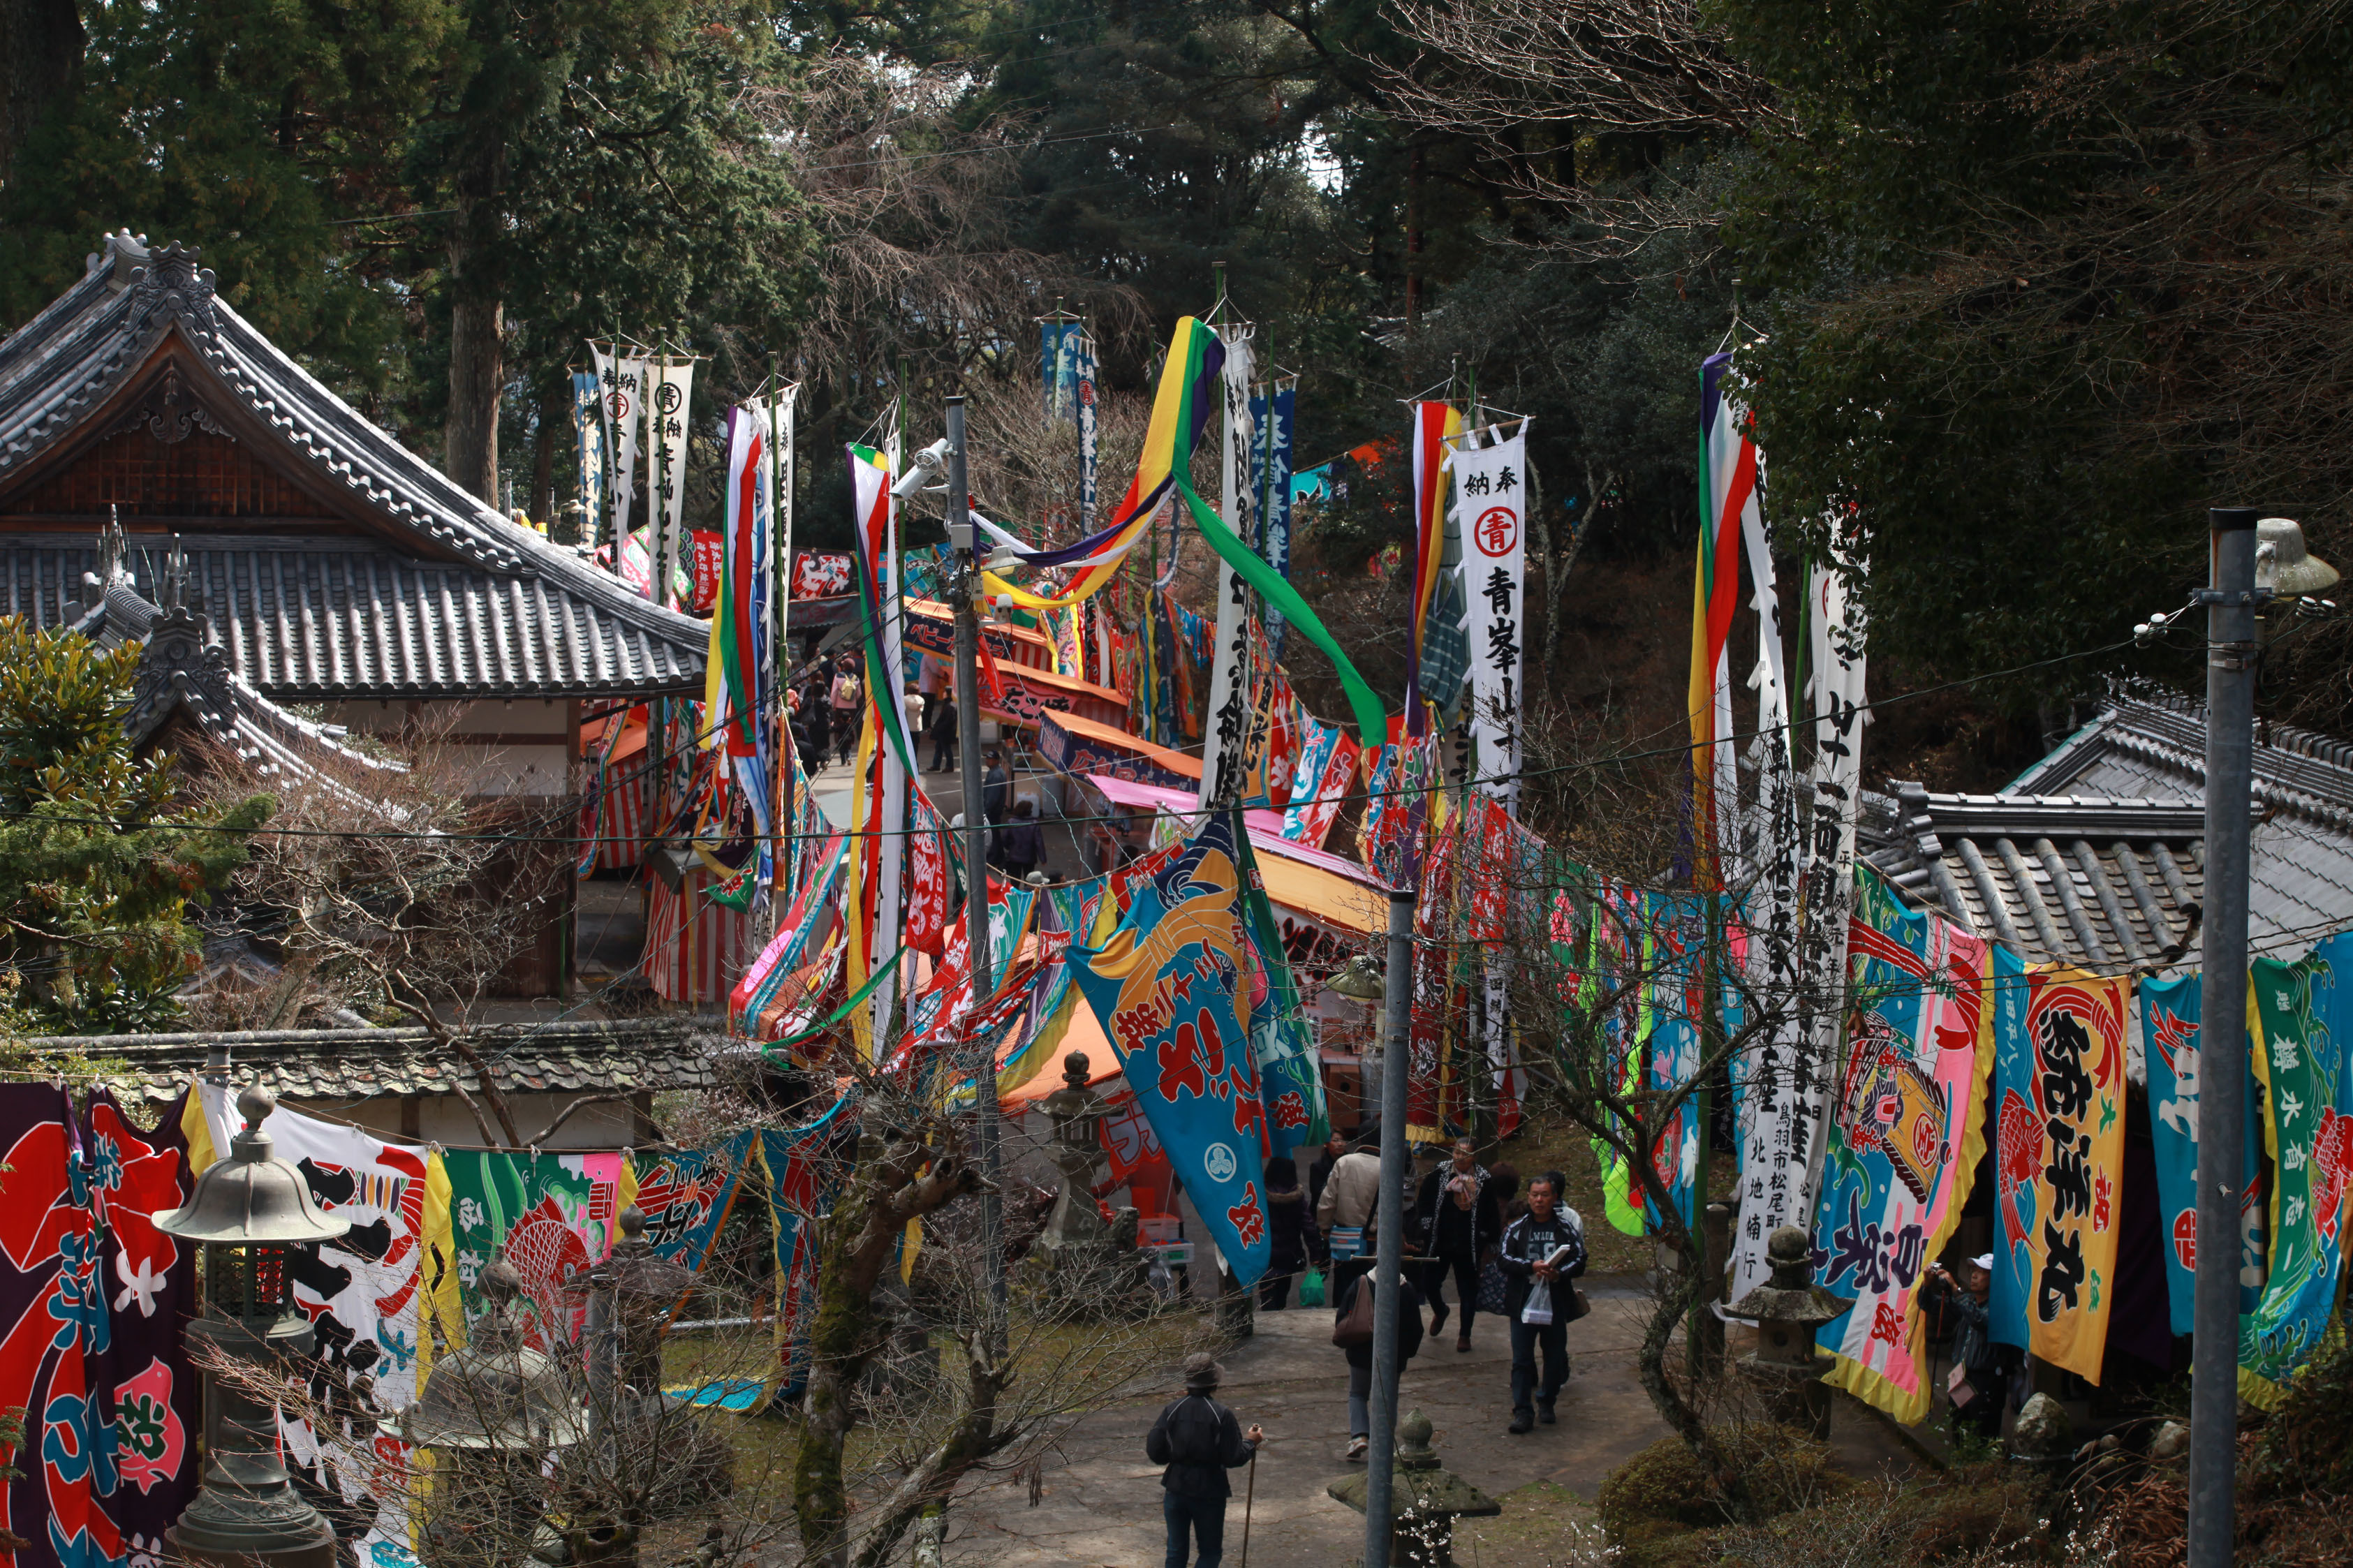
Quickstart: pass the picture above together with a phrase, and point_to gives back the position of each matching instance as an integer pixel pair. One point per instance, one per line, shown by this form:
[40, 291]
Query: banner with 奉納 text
[2307, 1009]
[2059, 1149]
[1490, 484]
[1163, 985]
[1905, 1132]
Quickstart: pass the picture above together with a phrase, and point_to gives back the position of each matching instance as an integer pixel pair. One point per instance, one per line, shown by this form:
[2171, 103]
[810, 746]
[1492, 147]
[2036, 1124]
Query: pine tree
[98, 875]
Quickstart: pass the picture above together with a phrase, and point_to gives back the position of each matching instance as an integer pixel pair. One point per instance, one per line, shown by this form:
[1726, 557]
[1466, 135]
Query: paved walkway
[1101, 1502]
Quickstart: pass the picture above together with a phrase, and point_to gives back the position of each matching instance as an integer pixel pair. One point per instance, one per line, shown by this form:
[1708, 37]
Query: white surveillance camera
[923, 468]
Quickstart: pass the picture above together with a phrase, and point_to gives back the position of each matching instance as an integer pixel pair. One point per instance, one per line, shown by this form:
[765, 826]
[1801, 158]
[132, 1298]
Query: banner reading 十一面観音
[1491, 487]
[2170, 1014]
[2059, 1150]
[1271, 415]
[2308, 1019]
[1164, 986]
[1905, 1132]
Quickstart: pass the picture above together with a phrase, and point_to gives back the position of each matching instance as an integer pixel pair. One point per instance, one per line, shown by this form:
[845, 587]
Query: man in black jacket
[1543, 1250]
[1199, 1441]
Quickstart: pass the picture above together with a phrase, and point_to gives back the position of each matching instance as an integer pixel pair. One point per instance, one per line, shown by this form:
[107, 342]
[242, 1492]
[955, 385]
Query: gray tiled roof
[438, 596]
[2096, 855]
[363, 1064]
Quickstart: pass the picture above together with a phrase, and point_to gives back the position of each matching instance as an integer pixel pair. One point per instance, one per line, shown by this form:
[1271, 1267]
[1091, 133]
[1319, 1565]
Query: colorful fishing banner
[1434, 426]
[2170, 1015]
[150, 1398]
[1164, 986]
[1491, 482]
[686, 1193]
[2059, 1092]
[362, 1295]
[1290, 1084]
[2308, 1023]
[1907, 1131]
[1729, 475]
[1597, 932]
[804, 1166]
[54, 1315]
[1319, 782]
[880, 804]
[550, 1214]
[1674, 936]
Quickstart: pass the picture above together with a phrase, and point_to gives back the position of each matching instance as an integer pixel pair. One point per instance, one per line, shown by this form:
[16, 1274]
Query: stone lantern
[252, 1213]
[1787, 1309]
[1426, 1500]
[489, 1414]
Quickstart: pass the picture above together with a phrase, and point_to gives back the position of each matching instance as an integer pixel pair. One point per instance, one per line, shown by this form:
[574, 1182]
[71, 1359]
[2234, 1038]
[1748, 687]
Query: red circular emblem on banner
[1497, 530]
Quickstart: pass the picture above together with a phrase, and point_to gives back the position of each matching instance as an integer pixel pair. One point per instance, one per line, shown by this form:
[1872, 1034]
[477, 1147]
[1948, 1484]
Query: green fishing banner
[2307, 1019]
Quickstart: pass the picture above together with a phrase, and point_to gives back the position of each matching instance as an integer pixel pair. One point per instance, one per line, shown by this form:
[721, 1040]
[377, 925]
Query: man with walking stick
[1199, 1441]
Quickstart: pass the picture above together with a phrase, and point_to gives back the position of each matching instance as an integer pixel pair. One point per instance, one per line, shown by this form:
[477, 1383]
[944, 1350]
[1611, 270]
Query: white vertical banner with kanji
[1491, 492]
[623, 383]
[1834, 625]
[1225, 737]
[672, 395]
[1776, 1123]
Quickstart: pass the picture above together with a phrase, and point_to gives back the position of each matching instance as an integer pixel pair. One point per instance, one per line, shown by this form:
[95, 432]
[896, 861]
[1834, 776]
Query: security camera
[921, 469]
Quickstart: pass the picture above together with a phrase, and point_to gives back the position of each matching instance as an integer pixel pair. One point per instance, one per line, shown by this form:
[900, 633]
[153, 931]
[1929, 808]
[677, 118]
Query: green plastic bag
[1311, 1288]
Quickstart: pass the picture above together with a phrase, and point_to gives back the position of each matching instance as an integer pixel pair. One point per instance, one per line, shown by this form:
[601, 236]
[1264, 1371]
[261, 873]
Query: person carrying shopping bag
[1543, 1253]
[1352, 1331]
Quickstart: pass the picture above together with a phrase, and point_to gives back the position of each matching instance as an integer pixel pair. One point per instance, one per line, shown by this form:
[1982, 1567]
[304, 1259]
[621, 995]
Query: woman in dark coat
[1348, 1277]
[1286, 1223]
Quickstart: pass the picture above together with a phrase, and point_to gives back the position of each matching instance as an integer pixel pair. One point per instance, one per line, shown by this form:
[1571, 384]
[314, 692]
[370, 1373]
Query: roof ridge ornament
[173, 284]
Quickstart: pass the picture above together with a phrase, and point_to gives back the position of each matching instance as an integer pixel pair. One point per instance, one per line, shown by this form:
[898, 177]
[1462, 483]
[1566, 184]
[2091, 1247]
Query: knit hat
[1202, 1372]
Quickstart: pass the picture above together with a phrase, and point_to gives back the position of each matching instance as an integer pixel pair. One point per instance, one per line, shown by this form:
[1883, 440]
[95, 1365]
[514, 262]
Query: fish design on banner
[1164, 988]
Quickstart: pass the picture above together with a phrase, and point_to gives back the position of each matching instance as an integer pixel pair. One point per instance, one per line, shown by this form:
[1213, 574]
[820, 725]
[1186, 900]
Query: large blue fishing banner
[2308, 1019]
[2169, 1022]
[804, 1167]
[1675, 934]
[685, 1195]
[1270, 414]
[1164, 988]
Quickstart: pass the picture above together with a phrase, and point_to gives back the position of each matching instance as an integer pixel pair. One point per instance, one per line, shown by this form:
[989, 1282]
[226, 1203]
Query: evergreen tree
[98, 873]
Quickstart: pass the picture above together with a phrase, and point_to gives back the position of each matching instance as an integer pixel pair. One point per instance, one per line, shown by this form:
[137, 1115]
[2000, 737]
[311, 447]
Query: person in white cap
[1979, 1384]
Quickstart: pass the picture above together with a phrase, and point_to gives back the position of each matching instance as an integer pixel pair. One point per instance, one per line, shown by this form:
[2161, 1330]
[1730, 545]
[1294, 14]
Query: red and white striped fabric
[621, 826]
[695, 950]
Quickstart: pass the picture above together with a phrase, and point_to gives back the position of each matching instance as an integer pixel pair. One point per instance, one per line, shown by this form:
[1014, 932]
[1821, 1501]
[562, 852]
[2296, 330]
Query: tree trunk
[554, 426]
[469, 436]
[882, 1193]
[41, 46]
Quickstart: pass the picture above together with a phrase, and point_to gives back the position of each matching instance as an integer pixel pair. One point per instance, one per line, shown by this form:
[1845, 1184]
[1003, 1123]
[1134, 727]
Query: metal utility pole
[2229, 601]
[1388, 1272]
[963, 592]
